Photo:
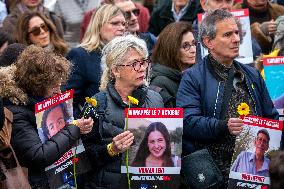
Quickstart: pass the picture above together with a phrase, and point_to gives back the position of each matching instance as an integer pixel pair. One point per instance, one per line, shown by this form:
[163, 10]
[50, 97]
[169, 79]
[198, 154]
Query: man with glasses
[254, 163]
[131, 14]
[143, 17]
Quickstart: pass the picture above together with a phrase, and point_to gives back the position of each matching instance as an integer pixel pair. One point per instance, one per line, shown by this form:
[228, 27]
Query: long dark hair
[22, 33]
[167, 48]
[143, 151]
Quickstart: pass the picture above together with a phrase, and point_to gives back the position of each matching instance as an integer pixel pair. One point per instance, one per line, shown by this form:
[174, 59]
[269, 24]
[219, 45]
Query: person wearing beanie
[11, 54]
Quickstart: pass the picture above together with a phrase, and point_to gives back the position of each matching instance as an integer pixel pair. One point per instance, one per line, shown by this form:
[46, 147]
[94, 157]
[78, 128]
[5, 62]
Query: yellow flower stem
[85, 112]
[127, 153]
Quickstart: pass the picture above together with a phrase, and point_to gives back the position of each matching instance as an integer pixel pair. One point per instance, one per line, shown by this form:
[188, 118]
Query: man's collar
[181, 12]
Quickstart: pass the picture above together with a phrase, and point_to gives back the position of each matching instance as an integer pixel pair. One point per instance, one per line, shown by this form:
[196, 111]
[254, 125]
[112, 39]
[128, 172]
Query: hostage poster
[155, 156]
[245, 50]
[256, 144]
[274, 80]
[52, 115]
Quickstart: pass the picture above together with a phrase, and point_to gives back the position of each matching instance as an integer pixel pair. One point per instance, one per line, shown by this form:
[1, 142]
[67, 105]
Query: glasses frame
[128, 14]
[187, 46]
[37, 30]
[145, 62]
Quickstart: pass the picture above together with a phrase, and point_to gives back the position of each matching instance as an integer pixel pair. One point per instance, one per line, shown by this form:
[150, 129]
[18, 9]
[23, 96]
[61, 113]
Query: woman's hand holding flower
[122, 141]
[85, 125]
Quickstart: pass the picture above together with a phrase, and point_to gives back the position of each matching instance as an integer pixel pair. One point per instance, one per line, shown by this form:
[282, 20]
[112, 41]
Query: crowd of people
[112, 49]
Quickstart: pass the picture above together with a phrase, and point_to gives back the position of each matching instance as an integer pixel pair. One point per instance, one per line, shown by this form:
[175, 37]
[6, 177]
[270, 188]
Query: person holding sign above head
[155, 148]
[36, 76]
[211, 90]
[254, 163]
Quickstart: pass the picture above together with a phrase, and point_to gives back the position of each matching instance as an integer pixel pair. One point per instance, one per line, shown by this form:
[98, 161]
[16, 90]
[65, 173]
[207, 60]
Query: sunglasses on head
[127, 14]
[36, 30]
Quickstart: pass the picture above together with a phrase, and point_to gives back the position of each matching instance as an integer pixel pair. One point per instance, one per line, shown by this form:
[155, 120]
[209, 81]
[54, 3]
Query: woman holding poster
[125, 75]
[155, 148]
[37, 75]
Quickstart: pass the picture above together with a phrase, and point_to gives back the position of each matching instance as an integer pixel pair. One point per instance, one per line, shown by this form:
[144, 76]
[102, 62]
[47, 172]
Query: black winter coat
[163, 16]
[105, 172]
[29, 149]
[168, 79]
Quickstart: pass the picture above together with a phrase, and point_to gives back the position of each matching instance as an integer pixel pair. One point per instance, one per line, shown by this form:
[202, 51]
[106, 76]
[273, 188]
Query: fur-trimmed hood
[9, 88]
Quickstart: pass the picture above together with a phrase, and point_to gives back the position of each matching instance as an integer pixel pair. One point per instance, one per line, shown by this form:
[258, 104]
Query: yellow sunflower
[243, 109]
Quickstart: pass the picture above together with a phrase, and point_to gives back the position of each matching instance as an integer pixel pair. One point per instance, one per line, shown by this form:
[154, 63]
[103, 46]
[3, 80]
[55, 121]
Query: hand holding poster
[155, 157]
[52, 115]
[259, 139]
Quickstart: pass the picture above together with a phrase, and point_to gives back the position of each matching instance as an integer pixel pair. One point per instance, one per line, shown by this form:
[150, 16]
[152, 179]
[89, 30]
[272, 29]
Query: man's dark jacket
[201, 95]
[162, 17]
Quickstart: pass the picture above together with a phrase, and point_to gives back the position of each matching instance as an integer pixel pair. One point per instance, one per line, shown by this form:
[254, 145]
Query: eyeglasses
[186, 46]
[117, 23]
[36, 30]
[127, 14]
[136, 64]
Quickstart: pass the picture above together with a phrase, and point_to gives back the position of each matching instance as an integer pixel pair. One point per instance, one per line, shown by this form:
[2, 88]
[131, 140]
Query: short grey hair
[208, 25]
[114, 52]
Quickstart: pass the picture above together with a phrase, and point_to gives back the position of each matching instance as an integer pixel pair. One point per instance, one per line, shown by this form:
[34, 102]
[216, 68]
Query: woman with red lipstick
[125, 75]
[155, 148]
[35, 28]
[174, 52]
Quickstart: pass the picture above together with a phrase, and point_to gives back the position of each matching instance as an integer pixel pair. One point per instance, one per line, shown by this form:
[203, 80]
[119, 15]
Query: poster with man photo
[274, 79]
[256, 144]
[52, 115]
[245, 50]
[155, 156]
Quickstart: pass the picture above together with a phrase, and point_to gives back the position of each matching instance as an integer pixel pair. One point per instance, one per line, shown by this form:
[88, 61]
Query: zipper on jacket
[216, 101]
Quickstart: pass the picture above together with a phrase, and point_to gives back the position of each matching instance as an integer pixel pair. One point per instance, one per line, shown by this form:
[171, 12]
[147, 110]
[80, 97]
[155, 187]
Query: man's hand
[268, 28]
[235, 126]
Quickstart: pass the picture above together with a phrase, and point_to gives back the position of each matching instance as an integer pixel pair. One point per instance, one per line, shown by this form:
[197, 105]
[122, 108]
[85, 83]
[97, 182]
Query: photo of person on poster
[155, 148]
[54, 119]
[255, 163]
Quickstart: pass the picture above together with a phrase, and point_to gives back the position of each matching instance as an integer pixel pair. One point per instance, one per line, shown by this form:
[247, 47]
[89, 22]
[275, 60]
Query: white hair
[114, 52]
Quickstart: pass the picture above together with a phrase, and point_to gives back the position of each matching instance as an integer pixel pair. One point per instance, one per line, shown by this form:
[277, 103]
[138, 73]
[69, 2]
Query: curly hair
[22, 32]
[167, 48]
[143, 151]
[38, 70]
